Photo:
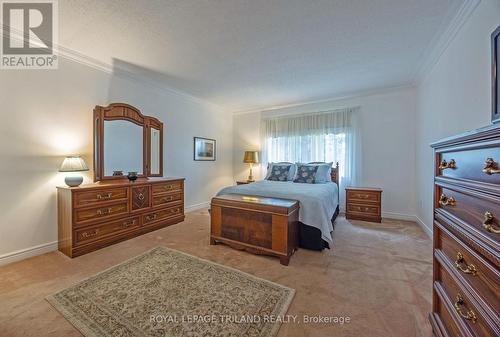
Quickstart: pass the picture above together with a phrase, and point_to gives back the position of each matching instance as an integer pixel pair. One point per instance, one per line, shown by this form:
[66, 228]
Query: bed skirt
[310, 237]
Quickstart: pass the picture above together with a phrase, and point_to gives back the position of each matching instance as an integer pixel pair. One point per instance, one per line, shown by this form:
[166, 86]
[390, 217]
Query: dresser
[97, 215]
[364, 203]
[466, 274]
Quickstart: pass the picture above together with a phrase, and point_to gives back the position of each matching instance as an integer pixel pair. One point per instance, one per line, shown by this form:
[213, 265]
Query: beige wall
[47, 115]
[387, 128]
[455, 96]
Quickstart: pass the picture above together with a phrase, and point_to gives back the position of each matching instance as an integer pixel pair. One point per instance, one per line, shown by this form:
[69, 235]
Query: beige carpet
[164, 292]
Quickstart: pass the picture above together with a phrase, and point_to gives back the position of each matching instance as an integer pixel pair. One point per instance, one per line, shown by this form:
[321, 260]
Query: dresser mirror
[126, 141]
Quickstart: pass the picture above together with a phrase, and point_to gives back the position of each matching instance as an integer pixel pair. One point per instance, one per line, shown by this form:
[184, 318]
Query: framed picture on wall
[495, 63]
[204, 149]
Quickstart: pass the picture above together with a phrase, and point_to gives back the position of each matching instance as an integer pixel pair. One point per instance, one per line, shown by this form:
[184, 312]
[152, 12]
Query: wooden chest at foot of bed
[259, 225]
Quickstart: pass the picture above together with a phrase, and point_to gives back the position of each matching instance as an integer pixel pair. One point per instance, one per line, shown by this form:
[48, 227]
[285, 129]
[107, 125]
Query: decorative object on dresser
[466, 287]
[364, 203]
[115, 209]
[251, 157]
[495, 63]
[259, 225]
[73, 164]
[204, 149]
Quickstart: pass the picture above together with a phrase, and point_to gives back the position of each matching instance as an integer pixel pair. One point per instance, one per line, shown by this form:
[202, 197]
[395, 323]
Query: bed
[319, 206]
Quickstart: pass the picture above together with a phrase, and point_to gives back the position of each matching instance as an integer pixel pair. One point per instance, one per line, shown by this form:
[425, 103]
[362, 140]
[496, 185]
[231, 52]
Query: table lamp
[251, 157]
[73, 164]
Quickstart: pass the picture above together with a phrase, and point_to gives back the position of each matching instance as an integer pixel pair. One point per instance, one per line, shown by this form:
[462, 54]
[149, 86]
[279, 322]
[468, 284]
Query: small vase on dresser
[466, 277]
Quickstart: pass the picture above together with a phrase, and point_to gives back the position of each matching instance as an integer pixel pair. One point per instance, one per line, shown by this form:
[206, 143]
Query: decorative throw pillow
[291, 172]
[279, 172]
[305, 174]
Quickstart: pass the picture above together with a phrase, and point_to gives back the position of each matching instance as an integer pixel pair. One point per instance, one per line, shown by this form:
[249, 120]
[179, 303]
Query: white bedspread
[317, 201]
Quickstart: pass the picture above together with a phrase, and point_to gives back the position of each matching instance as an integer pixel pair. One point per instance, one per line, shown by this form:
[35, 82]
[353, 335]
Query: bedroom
[196, 93]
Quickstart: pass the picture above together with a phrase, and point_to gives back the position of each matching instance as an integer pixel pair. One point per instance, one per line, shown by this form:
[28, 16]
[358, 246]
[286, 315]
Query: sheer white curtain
[330, 136]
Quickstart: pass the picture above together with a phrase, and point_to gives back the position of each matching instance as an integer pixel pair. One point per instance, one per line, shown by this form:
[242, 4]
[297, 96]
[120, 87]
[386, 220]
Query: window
[310, 148]
[328, 136]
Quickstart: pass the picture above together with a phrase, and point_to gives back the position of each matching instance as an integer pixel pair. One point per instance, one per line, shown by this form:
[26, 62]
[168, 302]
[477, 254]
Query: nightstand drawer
[363, 196]
[364, 209]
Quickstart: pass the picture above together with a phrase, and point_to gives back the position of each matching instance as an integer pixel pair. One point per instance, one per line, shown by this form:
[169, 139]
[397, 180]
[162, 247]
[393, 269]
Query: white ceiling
[253, 54]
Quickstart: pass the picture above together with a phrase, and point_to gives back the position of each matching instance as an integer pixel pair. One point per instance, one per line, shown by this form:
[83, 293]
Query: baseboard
[399, 216]
[407, 217]
[426, 229]
[28, 252]
[196, 207]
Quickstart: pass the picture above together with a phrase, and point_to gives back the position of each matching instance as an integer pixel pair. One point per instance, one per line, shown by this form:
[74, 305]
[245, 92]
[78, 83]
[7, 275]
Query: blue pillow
[291, 172]
[305, 174]
[279, 172]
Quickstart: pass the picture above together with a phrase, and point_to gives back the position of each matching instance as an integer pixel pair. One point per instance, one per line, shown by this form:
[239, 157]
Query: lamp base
[73, 181]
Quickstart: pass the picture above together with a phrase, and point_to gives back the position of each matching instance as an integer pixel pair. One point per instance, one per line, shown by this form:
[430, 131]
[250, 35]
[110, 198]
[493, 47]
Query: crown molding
[351, 95]
[77, 57]
[85, 60]
[443, 39]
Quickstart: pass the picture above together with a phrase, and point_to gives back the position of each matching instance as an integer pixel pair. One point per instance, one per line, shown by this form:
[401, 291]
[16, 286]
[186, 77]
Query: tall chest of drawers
[466, 274]
[97, 215]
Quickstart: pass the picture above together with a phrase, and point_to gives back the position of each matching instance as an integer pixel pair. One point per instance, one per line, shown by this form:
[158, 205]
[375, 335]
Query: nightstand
[243, 182]
[364, 203]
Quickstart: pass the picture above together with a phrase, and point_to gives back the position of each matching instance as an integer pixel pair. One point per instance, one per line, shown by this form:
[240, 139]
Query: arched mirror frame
[122, 111]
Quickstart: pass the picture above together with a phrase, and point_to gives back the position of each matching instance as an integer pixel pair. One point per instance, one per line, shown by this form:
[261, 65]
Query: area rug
[164, 292]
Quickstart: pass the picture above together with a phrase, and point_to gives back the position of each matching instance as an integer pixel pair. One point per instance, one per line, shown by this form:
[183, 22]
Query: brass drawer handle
[490, 167]
[488, 223]
[176, 210]
[447, 201]
[104, 197]
[90, 234]
[104, 211]
[468, 269]
[167, 199]
[469, 315]
[128, 223]
[168, 187]
[448, 165]
[151, 217]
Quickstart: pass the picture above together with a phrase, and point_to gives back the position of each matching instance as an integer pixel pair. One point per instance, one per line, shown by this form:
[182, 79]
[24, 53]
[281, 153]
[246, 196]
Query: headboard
[335, 174]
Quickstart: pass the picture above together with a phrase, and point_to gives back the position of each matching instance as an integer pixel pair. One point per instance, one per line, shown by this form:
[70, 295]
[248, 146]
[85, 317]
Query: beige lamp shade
[73, 164]
[251, 157]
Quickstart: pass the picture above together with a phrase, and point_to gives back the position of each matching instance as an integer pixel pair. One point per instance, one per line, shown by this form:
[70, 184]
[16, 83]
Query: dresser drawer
[478, 210]
[363, 196]
[162, 214]
[163, 200]
[471, 165]
[99, 213]
[96, 197]
[363, 209]
[167, 187]
[475, 270]
[140, 198]
[92, 233]
[444, 311]
[467, 311]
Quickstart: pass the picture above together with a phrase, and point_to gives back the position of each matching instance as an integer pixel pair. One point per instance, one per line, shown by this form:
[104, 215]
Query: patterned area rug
[168, 293]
